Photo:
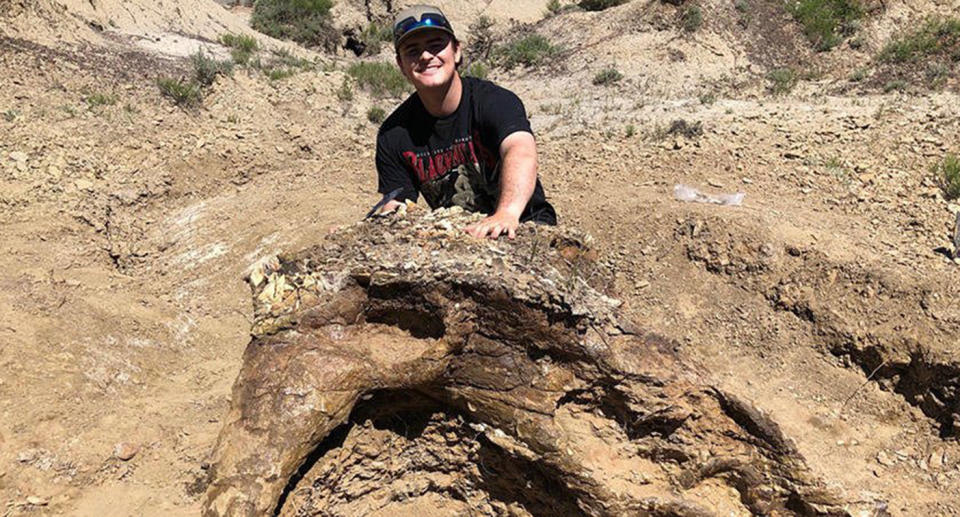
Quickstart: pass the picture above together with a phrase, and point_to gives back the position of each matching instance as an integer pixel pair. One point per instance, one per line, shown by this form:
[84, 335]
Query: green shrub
[10, 115]
[532, 50]
[607, 76]
[897, 84]
[859, 75]
[376, 114]
[476, 69]
[183, 93]
[345, 92]
[240, 41]
[825, 22]
[95, 100]
[379, 78]
[304, 21]
[275, 74]
[692, 19]
[374, 35]
[708, 98]
[481, 38]
[630, 131]
[599, 5]
[934, 37]
[948, 174]
[782, 80]
[206, 69]
[554, 7]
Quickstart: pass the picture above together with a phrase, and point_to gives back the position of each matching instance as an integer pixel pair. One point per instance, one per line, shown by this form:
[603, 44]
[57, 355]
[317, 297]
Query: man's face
[428, 59]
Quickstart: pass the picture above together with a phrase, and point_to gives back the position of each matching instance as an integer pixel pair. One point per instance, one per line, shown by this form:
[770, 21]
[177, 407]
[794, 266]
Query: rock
[348, 332]
[125, 450]
[83, 184]
[936, 460]
[36, 501]
[906, 452]
[885, 460]
[28, 456]
[18, 156]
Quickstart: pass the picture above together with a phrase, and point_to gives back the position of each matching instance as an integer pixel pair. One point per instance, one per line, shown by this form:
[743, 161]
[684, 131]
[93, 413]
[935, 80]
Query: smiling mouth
[431, 68]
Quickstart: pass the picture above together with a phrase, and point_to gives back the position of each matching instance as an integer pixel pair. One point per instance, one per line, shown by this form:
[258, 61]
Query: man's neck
[442, 100]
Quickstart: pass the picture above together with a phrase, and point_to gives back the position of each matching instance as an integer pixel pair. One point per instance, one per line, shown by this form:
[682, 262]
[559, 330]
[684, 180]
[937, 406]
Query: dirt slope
[827, 299]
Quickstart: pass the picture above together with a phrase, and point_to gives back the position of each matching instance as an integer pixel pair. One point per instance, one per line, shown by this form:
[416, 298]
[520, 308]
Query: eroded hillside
[827, 300]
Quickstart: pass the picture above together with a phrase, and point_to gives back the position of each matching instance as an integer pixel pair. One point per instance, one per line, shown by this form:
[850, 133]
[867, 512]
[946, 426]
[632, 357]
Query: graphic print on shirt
[454, 175]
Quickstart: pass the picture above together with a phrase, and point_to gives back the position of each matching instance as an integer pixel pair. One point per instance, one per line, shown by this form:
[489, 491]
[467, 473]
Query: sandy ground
[127, 228]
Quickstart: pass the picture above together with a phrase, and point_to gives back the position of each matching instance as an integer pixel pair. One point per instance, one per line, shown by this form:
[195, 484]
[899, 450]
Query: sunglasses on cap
[427, 20]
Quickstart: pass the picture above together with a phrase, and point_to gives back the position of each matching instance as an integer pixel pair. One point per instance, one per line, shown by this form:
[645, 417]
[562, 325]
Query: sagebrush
[826, 22]
[305, 21]
[948, 173]
[532, 50]
[379, 78]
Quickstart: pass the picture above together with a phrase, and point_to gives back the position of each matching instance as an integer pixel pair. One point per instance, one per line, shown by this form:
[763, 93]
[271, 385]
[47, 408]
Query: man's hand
[389, 207]
[494, 226]
[518, 177]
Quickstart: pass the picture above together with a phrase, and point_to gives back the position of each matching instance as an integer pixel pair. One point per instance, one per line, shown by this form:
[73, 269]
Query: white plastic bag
[689, 194]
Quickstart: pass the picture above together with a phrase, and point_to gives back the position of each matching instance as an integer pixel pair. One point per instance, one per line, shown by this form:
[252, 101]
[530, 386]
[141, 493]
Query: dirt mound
[507, 341]
[177, 27]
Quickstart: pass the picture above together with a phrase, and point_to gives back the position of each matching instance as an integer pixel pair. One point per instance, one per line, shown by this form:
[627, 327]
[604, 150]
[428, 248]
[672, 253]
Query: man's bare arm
[518, 178]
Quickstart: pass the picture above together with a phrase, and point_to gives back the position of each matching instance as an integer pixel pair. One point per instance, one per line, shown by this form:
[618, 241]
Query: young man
[458, 141]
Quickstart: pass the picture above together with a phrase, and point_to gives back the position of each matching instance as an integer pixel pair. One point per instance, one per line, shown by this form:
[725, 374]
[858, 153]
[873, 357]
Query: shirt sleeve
[391, 174]
[502, 114]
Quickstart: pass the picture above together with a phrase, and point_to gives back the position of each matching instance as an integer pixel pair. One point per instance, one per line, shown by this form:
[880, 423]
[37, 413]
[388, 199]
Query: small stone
[746, 181]
[36, 501]
[714, 183]
[82, 184]
[885, 460]
[936, 460]
[906, 452]
[18, 156]
[28, 456]
[125, 450]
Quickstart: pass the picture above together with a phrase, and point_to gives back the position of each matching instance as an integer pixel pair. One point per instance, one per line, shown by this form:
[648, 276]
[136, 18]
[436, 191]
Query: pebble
[884, 459]
[936, 460]
[18, 156]
[125, 450]
[36, 501]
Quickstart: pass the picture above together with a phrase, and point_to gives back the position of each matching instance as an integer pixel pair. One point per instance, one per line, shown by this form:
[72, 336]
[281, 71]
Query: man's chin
[432, 82]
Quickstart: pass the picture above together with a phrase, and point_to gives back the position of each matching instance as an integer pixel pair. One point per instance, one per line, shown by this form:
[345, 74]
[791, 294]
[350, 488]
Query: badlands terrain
[828, 299]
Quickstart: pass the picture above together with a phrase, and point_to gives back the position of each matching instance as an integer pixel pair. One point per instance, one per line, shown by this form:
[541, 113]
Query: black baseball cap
[417, 18]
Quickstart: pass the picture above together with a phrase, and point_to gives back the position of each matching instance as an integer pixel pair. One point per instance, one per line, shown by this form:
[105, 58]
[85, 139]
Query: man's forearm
[518, 178]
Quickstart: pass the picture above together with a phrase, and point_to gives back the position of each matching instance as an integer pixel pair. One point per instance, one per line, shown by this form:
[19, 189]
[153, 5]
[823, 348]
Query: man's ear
[457, 53]
[400, 66]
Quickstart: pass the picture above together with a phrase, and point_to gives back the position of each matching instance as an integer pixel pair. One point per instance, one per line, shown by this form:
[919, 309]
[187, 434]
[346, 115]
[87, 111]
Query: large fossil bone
[515, 336]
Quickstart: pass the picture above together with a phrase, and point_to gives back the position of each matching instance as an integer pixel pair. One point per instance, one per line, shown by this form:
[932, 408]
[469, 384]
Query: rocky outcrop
[509, 381]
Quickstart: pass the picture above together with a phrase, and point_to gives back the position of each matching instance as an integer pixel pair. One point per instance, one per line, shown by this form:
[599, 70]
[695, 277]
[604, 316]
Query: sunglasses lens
[427, 20]
[435, 20]
[402, 27]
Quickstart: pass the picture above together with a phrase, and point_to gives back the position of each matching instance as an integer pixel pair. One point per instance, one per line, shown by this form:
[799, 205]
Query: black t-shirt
[455, 160]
